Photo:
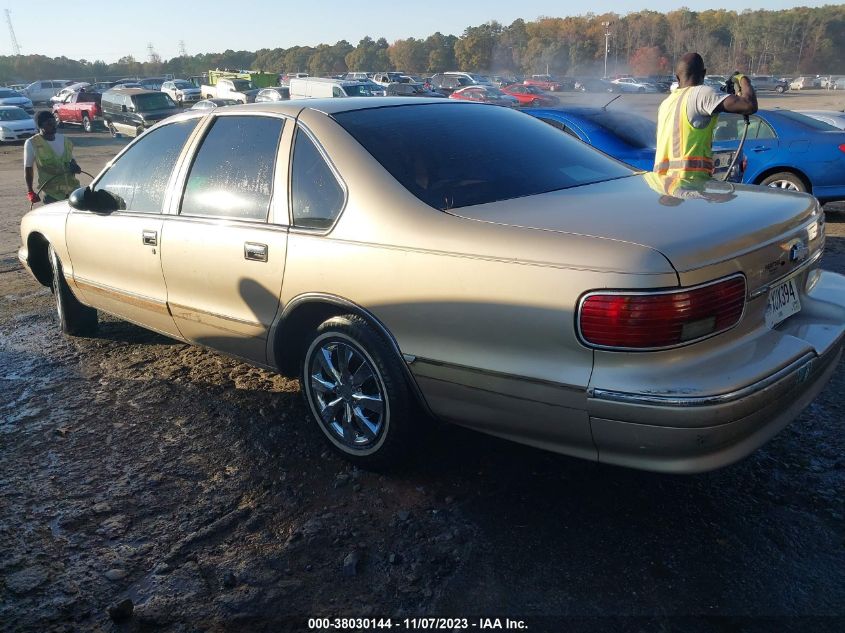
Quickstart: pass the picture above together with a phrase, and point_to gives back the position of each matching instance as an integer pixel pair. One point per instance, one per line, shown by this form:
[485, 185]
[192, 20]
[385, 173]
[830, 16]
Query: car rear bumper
[688, 430]
[698, 449]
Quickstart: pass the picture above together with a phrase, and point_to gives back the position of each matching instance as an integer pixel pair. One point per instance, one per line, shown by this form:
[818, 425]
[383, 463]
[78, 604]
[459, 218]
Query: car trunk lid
[705, 232]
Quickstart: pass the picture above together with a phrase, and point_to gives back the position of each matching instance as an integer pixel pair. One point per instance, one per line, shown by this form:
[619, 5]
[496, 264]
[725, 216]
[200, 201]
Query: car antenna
[604, 107]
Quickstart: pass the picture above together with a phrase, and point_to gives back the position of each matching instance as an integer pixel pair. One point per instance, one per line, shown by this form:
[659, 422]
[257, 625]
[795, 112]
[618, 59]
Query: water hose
[51, 179]
[738, 149]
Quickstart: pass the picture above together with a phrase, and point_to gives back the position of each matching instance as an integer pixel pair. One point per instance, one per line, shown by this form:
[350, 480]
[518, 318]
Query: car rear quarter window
[232, 174]
[474, 154]
[316, 196]
[139, 177]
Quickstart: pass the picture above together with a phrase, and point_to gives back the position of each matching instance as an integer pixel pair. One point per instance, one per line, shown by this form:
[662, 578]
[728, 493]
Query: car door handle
[760, 148]
[150, 238]
[255, 252]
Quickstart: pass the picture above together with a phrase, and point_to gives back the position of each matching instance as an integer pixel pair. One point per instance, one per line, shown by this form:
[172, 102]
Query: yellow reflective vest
[54, 177]
[682, 150]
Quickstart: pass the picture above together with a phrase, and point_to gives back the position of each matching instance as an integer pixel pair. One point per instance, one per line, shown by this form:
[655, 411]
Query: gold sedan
[461, 260]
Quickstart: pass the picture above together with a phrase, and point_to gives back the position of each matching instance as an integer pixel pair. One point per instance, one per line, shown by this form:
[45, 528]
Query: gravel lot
[134, 467]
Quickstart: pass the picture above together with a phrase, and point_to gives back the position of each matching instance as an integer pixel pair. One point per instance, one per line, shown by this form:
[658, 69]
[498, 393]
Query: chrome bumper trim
[802, 367]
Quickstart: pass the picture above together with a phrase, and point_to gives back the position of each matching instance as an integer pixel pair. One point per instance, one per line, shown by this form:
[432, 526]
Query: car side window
[337, 92]
[139, 177]
[763, 129]
[232, 174]
[317, 197]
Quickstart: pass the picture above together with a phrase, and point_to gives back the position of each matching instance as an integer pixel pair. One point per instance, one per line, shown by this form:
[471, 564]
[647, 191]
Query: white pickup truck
[238, 89]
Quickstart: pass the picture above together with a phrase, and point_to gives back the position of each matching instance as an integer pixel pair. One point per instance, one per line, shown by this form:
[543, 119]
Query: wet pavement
[134, 467]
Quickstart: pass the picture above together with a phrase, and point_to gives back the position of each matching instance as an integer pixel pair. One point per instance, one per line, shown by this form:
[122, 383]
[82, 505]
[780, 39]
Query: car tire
[111, 128]
[74, 318]
[780, 90]
[58, 119]
[86, 123]
[356, 390]
[786, 180]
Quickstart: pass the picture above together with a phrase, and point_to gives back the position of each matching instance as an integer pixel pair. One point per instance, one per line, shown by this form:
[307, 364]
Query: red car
[530, 96]
[544, 82]
[80, 108]
[485, 94]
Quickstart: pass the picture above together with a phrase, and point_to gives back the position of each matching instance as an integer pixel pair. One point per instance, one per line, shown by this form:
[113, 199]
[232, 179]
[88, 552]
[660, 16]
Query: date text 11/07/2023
[430, 624]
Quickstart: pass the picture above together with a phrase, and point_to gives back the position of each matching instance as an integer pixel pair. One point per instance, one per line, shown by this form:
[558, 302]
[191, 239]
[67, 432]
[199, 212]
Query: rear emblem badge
[798, 252]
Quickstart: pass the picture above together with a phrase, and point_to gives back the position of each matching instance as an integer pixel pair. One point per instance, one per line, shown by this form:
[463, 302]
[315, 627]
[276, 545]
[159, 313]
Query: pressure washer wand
[731, 88]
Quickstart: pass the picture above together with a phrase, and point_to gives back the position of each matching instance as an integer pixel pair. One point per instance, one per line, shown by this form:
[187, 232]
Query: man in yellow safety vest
[686, 119]
[52, 154]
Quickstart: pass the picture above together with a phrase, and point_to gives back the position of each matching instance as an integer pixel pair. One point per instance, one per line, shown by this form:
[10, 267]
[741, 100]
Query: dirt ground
[136, 468]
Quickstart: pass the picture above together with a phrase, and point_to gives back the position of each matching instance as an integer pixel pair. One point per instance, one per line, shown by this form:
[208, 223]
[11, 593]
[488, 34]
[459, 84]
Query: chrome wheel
[784, 184]
[347, 393]
[785, 181]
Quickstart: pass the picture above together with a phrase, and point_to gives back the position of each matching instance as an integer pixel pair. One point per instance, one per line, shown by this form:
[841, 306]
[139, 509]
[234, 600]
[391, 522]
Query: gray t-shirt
[702, 101]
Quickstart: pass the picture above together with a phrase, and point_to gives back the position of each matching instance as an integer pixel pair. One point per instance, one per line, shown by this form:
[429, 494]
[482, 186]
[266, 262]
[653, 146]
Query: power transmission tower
[152, 56]
[15, 45]
[182, 51]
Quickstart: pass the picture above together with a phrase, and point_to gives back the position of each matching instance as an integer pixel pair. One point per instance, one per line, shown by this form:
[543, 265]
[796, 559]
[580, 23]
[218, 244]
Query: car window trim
[196, 146]
[313, 230]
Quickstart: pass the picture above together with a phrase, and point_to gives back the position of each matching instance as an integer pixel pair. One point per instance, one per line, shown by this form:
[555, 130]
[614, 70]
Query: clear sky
[109, 30]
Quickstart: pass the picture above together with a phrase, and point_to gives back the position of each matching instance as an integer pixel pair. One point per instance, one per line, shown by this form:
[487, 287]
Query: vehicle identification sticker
[783, 302]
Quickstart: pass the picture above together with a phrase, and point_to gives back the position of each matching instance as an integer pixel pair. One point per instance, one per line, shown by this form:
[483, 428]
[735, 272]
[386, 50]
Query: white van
[43, 91]
[321, 88]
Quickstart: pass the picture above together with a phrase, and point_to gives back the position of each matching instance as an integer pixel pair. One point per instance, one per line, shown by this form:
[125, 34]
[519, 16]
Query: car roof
[134, 91]
[338, 105]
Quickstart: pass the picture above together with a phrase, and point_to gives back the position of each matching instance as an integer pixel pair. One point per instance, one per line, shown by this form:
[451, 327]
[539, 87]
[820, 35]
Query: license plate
[783, 302]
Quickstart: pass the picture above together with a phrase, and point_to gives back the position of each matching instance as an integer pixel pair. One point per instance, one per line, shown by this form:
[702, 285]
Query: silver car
[500, 275]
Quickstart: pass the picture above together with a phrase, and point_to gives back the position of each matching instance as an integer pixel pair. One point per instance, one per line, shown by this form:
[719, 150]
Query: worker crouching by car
[52, 154]
[686, 119]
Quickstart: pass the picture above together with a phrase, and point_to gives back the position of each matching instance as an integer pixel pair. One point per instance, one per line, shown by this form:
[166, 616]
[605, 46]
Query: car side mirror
[123, 108]
[100, 201]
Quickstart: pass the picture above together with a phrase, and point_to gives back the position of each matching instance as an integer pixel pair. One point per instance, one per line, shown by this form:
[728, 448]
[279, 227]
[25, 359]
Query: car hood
[15, 101]
[692, 228]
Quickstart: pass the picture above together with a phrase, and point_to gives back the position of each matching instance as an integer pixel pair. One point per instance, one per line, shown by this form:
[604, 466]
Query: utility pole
[606, 26]
[15, 45]
[182, 51]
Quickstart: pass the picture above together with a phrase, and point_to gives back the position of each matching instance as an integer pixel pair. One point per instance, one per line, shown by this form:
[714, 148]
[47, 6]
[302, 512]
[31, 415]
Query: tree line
[793, 41]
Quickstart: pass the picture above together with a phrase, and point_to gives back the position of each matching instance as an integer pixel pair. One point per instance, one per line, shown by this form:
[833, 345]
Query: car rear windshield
[88, 97]
[636, 131]
[807, 121]
[156, 101]
[474, 153]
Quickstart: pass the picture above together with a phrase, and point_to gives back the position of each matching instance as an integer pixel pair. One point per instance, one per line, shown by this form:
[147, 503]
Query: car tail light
[660, 319]
[842, 147]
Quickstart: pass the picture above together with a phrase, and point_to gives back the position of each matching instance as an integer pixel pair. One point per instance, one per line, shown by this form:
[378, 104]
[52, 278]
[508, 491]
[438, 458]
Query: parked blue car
[628, 137]
[788, 150]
